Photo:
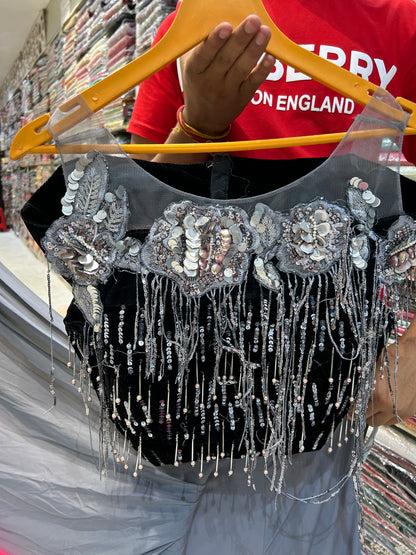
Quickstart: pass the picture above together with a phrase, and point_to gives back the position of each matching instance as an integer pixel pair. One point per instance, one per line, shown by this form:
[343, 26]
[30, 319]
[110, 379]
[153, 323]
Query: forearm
[395, 388]
[176, 136]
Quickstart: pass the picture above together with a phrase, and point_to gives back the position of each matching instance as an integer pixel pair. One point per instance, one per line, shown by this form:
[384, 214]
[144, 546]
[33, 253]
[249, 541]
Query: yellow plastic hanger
[194, 21]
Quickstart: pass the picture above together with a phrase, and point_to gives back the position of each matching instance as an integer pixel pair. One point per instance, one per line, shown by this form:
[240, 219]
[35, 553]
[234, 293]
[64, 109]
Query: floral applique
[82, 244]
[200, 247]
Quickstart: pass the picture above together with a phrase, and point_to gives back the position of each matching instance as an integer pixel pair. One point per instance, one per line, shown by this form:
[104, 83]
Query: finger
[204, 54]
[249, 58]
[242, 43]
[258, 76]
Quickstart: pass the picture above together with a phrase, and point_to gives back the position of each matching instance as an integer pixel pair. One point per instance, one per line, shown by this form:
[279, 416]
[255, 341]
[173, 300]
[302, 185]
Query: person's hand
[380, 408]
[221, 75]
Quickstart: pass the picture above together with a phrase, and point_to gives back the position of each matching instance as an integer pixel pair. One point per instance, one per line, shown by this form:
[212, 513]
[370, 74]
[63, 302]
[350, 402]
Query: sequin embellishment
[200, 247]
[202, 361]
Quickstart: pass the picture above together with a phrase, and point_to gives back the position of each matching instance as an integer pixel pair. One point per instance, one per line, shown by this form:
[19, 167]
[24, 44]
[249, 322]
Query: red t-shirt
[375, 39]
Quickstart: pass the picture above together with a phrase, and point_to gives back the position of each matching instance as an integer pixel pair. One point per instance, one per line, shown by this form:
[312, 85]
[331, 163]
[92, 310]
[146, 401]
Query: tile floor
[31, 269]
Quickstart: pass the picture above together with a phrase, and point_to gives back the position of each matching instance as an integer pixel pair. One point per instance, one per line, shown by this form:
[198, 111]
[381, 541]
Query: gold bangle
[194, 133]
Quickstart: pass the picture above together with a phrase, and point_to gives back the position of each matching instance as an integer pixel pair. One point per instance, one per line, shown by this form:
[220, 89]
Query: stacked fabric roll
[150, 14]
[115, 10]
[82, 26]
[27, 95]
[121, 50]
[100, 41]
[389, 477]
[56, 73]
[69, 62]
[40, 87]
[97, 61]
[121, 45]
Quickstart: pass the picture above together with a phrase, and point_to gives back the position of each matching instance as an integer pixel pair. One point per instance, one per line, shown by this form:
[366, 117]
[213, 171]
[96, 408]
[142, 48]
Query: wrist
[196, 134]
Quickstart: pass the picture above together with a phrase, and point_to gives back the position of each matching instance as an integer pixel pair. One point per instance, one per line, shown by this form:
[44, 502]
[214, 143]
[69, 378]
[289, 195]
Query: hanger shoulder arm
[194, 21]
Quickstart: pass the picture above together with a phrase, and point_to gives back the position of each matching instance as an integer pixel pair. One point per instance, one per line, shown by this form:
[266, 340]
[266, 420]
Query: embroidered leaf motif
[81, 245]
[92, 187]
[267, 223]
[89, 302]
[116, 213]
